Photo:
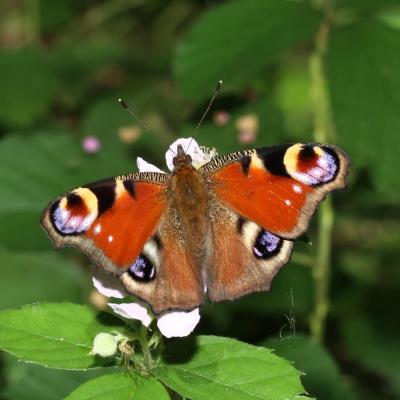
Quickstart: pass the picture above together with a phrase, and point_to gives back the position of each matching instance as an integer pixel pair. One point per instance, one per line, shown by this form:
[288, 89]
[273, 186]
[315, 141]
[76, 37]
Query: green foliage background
[310, 70]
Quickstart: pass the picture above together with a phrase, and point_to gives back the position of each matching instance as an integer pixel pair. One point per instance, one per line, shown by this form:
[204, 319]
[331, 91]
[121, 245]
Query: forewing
[109, 220]
[278, 187]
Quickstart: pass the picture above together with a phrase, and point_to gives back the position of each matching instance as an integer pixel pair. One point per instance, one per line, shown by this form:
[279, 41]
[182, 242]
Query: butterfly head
[181, 160]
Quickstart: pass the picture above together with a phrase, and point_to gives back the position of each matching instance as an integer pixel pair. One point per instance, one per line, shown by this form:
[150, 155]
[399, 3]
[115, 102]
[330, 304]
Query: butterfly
[221, 230]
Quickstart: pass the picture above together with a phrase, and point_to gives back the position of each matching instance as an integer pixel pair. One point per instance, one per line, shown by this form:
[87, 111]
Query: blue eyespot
[142, 269]
[266, 245]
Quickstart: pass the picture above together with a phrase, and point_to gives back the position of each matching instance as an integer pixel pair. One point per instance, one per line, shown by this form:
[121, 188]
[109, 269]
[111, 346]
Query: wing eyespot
[142, 270]
[266, 245]
[312, 165]
[74, 213]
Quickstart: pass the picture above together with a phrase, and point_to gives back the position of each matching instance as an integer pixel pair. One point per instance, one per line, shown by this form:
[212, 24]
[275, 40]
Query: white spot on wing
[288, 202]
[297, 188]
[110, 238]
[97, 229]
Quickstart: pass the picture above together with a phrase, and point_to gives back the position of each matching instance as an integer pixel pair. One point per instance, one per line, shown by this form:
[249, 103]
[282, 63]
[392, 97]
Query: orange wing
[278, 187]
[126, 226]
[109, 220]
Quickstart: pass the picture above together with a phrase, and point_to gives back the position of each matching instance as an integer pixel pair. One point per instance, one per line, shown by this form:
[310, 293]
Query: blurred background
[304, 71]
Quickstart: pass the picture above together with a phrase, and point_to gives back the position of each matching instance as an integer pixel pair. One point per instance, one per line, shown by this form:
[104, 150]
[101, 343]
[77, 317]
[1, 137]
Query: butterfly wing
[125, 224]
[278, 187]
[260, 201]
[109, 220]
[172, 279]
[246, 256]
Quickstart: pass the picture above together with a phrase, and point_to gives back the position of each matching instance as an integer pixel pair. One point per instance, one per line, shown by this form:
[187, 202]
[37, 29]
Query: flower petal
[199, 157]
[178, 323]
[107, 284]
[137, 310]
[144, 166]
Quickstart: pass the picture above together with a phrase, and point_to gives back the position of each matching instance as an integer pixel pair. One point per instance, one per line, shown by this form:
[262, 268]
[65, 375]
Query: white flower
[144, 166]
[178, 323]
[173, 323]
[200, 155]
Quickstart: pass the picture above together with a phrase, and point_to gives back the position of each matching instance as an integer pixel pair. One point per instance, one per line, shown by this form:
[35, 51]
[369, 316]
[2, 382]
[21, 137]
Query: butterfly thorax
[189, 197]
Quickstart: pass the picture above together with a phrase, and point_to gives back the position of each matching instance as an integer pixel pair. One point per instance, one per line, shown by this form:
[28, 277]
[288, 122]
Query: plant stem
[143, 340]
[323, 132]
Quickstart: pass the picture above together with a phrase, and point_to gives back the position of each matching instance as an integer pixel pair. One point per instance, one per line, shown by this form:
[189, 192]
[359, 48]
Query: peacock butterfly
[221, 230]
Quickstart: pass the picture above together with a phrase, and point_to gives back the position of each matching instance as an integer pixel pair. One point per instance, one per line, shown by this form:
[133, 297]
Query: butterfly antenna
[217, 89]
[141, 122]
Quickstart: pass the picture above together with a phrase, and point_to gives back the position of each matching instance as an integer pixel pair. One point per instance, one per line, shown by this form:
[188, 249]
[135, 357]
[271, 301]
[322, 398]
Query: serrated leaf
[222, 368]
[234, 41]
[37, 276]
[55, 335]
[322, 378]
[47, 165]
[120, 386]
[363, 62]
[27, 85]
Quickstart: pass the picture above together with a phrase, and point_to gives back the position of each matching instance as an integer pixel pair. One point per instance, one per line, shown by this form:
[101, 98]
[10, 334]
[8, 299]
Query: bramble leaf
[55, 335]
[234, 41]
[120, 386]
[216, 368]
[363, 62]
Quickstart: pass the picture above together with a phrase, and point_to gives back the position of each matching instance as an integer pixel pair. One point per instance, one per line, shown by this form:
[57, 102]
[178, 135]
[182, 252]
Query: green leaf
[120, 386]
[85, 59]
[363, 64]
[55, 335]
[293, 95]
[226, 139]
[322, 378]
[390, 17]
[33, 382]
[222, 368]
[234, 41]
[54, 15]
[374, 343]
[47, 165]
[38, 276]
[27, 85]
[104, 119]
